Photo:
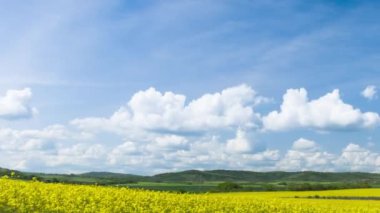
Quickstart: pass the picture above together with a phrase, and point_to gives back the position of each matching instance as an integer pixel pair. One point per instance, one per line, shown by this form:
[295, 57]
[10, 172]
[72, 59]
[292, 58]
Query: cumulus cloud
[169, 142]
[239, 144]
[156, 111]
[125, 150]
[304, 144]
[43, 139]
[357, 158]
[328, 112]
[80, 154]
[52, 149]
[369, 92]
[153, 130]
[159, 132]
[15, 105]
[307, 155]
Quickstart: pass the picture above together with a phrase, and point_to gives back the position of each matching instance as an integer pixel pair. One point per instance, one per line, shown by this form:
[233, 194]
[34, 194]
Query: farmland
[34, 196]
[194, 181]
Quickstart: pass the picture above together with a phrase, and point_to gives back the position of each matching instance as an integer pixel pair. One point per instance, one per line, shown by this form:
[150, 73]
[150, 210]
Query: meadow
[195, 181]
[35, 196]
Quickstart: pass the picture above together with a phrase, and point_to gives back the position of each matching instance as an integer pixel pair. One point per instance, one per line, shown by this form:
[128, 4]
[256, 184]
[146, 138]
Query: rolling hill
[249, 176]
[201, 176]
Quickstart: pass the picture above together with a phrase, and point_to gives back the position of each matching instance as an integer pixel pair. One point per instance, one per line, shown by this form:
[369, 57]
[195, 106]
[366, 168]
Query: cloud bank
[151, 110]
[163, 131]
[328, 112]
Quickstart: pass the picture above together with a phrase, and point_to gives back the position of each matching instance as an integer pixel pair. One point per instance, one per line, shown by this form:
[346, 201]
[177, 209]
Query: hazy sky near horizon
[153, 86]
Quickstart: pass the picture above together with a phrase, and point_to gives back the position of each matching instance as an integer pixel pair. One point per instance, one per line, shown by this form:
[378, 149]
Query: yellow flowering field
[29, 196]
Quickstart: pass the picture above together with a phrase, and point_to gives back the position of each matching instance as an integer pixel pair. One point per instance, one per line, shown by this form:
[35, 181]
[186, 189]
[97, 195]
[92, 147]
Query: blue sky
[152, 86]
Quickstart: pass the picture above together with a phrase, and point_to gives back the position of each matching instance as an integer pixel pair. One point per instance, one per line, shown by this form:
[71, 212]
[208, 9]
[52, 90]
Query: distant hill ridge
[250, 176]
[208, 175]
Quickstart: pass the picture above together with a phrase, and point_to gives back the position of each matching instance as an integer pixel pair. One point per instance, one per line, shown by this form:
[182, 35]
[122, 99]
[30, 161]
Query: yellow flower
[32, 196]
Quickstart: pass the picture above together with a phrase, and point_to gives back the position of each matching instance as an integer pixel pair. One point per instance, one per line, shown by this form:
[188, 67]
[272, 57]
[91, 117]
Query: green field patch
[341, 197]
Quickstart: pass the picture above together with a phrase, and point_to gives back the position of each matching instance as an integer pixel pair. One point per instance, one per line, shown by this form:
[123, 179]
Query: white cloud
[125, 150]
[369, 92]
[239, 144]
[206, 152]
[153, 130]
[306, 155]
[357, 158]
[44, 139]
[170, 142]
[15, 105]
[328, 112]
[57, 149]
[304, 144]
[159, 132]
[152, 110]
[296, 160]
[52, 148]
